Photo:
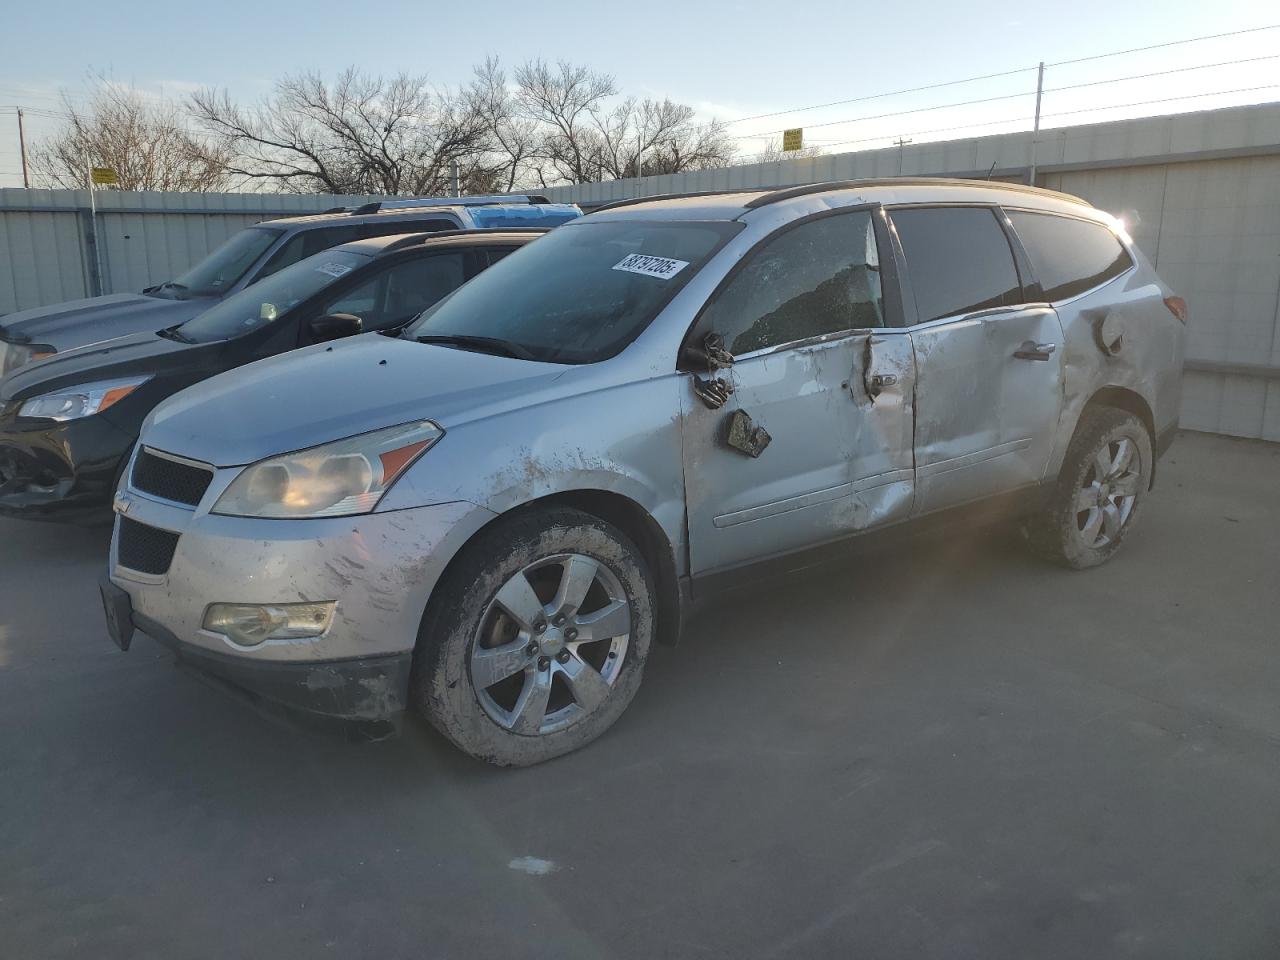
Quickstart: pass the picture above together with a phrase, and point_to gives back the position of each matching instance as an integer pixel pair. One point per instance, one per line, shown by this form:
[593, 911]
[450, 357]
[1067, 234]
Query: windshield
[221, 270]
[268, 299]
[581, 293]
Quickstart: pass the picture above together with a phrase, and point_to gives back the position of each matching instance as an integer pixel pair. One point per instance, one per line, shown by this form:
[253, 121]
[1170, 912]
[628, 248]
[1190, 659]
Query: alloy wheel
[1106, 498]
[551, 644]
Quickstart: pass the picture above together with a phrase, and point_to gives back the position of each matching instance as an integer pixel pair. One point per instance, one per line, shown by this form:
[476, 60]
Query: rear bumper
[369, 689]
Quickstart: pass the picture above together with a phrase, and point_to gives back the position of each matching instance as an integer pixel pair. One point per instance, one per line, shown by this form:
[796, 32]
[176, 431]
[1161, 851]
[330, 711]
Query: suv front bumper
[379, 569]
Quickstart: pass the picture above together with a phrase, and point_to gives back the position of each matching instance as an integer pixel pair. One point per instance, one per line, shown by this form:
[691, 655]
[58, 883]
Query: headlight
[335, 480]
[73, 403]
[15, 355]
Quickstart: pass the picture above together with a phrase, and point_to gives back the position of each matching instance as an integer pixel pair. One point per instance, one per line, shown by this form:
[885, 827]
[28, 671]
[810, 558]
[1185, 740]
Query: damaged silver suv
[493, 516]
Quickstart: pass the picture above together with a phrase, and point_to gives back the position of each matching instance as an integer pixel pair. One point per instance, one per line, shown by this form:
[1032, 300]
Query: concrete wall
[1201, 192]
[47, 237]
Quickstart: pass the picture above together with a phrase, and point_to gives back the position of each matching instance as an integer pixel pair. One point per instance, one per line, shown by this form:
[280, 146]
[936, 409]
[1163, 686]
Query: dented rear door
[988, 364]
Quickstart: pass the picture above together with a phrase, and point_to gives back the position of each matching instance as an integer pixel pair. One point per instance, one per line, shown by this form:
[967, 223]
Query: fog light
[251, 624]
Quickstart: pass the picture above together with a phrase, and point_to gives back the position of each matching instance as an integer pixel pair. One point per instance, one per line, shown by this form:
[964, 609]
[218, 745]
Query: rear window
[958, 260]
[1069, 256]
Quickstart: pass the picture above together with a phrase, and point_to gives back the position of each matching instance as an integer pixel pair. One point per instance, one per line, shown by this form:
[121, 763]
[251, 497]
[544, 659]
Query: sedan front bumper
[60, 471]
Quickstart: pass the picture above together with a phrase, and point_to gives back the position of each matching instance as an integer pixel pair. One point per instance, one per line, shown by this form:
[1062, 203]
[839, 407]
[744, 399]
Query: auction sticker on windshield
[661, 267]
[334, 269]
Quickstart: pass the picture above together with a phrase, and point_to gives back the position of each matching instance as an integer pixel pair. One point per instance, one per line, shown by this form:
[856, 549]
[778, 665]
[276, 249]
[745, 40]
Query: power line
[897, 113]
[1006, 73]
[1162, 73]
[880, 96]
[1063, 113]
[1076, 86]
[1161, 46]
[1146, 103]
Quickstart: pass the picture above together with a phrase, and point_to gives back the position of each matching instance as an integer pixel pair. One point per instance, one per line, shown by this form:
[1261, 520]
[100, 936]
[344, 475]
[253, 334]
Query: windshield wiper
[175, 334]
[481, 344]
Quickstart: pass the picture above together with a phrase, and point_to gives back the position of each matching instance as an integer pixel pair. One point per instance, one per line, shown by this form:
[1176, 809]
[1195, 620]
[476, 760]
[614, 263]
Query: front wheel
[538, 639]
[1102, 484]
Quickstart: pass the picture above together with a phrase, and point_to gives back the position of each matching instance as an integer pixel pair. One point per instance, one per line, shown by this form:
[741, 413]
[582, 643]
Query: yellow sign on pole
[104, 176]
[793, 139]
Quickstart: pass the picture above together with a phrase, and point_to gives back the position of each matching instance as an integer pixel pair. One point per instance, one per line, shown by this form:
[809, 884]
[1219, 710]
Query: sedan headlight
[72, 403]
[335, 480]
[15, 355]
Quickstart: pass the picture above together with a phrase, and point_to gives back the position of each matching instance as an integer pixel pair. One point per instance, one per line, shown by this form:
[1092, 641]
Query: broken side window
[817, 278]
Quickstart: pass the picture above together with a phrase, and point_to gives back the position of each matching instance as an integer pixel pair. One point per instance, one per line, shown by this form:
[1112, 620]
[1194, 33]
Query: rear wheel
[1095, 503]
[538, 639]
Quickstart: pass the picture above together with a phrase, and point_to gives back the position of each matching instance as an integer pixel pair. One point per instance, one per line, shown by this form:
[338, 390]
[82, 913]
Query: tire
[470, 636]
[1071, 532]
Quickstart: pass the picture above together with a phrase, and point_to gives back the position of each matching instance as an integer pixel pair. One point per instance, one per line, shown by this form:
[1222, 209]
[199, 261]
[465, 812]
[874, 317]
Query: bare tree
[145, 142]
[565, 102]
[650, 137]
[515, 138]
[362, 134]
[587, 137]
[773, 152]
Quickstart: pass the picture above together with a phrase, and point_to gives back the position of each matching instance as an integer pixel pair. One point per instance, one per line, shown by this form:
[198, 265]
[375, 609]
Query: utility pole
[1035, 130]
[22, 148]
[900, 143]
[454, 188]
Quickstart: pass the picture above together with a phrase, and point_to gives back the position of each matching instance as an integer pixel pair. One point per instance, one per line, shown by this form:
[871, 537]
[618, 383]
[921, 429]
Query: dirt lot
[949, 751]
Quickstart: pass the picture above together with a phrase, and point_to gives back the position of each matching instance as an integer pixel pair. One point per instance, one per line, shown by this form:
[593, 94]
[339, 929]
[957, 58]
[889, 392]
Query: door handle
[1035, 351]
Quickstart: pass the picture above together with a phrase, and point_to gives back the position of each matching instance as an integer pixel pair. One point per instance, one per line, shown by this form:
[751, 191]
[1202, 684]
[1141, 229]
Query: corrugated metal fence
[1200, 192]
[48, 237]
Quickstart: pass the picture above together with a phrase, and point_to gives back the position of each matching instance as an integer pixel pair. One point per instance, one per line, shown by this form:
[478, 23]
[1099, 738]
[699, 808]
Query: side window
[958, 260]
[391, 227]
[1069, 256]
[820, 277]
[494, 254]
[308, 243]
[401, 292]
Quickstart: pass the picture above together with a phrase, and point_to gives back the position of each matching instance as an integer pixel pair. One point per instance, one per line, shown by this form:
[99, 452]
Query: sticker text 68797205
[664, 268]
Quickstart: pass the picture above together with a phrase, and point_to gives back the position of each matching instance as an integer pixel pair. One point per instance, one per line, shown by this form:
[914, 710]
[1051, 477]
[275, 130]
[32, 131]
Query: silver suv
[494, 516]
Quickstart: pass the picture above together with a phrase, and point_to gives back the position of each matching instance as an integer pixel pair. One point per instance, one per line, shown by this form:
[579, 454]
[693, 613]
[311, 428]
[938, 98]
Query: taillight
[1177, 306]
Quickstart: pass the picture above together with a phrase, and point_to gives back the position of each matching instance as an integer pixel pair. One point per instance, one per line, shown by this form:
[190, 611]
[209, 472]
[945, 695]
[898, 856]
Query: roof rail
[335, 210]
[807, 188]
[632, 201]
[379, 205]
[417, 238]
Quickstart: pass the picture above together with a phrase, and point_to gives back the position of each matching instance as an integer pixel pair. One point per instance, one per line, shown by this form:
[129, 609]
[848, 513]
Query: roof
[376, 246]
[476, 207]
[729, 205]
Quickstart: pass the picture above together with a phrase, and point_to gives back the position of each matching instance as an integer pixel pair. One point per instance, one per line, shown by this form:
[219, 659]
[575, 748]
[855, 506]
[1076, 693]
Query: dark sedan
[68, 424]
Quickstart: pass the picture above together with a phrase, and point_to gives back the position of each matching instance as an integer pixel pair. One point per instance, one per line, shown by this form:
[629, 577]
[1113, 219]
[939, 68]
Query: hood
[142, 353]
[75, 323]
[323, 393]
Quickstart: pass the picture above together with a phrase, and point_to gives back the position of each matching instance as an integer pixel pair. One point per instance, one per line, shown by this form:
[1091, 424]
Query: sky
[730, 60]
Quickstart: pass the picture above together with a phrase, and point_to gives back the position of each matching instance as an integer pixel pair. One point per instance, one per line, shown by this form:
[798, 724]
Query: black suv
[248, 257]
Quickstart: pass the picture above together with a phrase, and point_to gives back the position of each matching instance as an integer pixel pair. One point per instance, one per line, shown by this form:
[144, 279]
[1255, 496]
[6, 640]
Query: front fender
[622, 439]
